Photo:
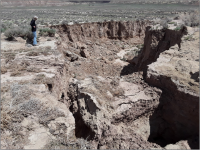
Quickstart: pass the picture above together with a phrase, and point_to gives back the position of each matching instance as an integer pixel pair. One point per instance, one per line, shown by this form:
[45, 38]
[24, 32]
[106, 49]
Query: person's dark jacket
[33, 24]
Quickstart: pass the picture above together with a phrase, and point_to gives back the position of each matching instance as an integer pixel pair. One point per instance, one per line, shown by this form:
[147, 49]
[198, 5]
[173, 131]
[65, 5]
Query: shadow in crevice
[195, 76]
[11, 39]
[81, 129]
[29, 41]
[129, 69]
[194, 142]
[158, 125]
[169, 125]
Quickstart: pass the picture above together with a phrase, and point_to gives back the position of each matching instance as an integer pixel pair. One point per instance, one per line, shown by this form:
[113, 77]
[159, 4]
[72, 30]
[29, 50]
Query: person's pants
[34, 38]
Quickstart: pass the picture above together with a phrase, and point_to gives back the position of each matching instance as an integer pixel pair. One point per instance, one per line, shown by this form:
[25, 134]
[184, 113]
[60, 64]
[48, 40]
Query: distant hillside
[24, 3]
[90, 1]
[18, 3]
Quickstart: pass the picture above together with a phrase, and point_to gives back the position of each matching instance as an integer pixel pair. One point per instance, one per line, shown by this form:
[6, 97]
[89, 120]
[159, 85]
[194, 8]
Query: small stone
[84, 53]
[29, 45]
[56, 132]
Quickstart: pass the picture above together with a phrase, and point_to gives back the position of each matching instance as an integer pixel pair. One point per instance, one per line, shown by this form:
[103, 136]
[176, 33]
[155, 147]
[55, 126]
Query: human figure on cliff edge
[34, 28]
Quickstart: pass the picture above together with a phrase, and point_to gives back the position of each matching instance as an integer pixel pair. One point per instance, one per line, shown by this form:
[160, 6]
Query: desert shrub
[41, 22]
[33, 69]
[48, 114]
[175, 24]
[76, 22]
[168, 19]
[29, 35]
[9, 56]
[4, 25]
[32, 53]
[25, 63]
[64, 22]
[11, 33]
[52, 32]
[171, 23]
[45, 53]
[5, 120]
[47, 31]
[164, 24]
[45, 114]
[68, 142]
[40, 78]
[19, 32]
[189, 38]
[3, 70]
[15, 73]
[30, 107]
[190, 19]
[139, 46]
[23, 105]
[19, 93]
[177, 28]
[3, 30]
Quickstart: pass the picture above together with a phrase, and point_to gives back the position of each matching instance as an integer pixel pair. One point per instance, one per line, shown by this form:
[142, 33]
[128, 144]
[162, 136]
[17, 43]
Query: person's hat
[35, 17]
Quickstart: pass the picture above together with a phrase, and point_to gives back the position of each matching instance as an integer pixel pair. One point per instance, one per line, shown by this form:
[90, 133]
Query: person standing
[34, 28]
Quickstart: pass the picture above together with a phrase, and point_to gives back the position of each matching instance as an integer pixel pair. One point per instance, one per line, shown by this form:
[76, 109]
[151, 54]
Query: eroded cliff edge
[170, 63]
[157, 101]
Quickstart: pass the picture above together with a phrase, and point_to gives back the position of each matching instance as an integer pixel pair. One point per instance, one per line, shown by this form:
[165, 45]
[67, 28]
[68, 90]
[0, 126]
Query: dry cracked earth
[106, 85]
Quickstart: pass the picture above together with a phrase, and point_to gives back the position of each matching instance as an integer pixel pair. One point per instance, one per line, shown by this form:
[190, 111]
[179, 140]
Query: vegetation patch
[33, 53]
[3, 70]
[15, 73]
[47, 32]
[25, 33]
[65, 142]
[9, 56]
[177, 28]
[189, 38]
[33, 69]
[171, 22]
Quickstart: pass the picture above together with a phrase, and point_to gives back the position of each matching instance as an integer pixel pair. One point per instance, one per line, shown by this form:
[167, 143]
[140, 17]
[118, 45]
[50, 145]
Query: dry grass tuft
[25, 63]
[65, 142]
[21, 105]
[9, 56]
[33, 69]
[4, 89]
[15, 73]
[19, 93]
[40, 78]
[32, 53]
[3, 70]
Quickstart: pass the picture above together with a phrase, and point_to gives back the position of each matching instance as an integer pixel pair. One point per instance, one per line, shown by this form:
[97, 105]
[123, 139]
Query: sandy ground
[21, 43]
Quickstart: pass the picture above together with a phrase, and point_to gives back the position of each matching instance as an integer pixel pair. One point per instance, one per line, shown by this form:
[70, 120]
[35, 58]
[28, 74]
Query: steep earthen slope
[176, 72]
[96, 30]
[157, 41]
[170, 62]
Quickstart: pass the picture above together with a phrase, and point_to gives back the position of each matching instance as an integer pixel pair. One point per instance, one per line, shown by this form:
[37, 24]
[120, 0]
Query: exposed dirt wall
[96, 30]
